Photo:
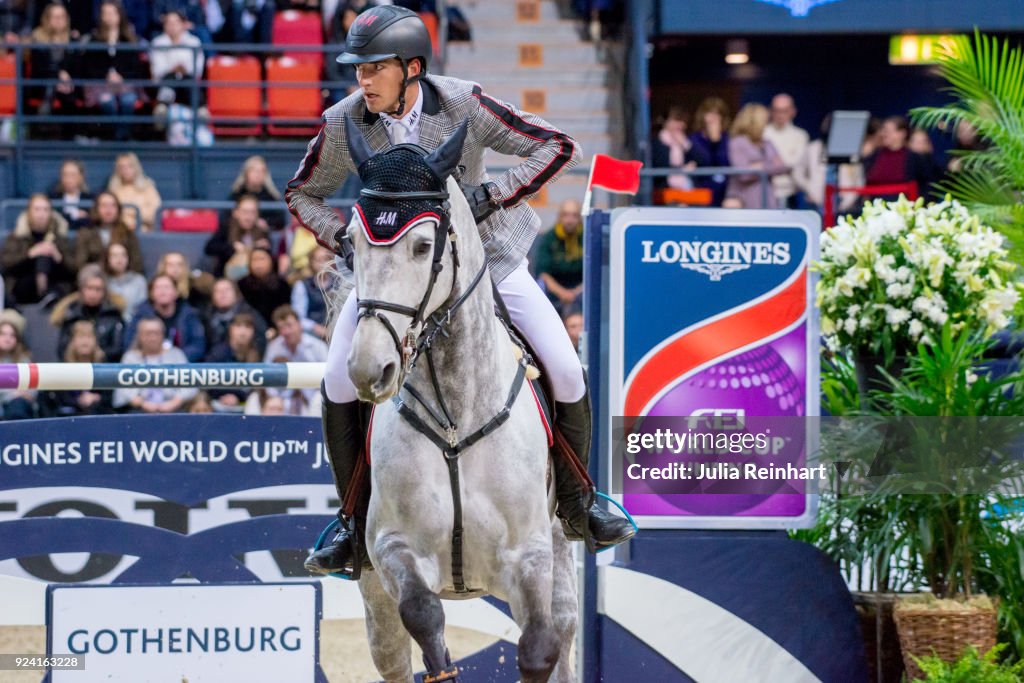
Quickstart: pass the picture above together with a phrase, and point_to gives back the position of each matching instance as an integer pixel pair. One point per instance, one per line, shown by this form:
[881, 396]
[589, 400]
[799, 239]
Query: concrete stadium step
[583, 124]
[504, 10]
[531, 54]
[590, 144]
[585, 76]
[554, 101]
[565, 31]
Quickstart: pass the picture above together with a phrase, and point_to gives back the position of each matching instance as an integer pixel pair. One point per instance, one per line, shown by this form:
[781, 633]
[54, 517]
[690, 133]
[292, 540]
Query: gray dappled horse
[461, 502]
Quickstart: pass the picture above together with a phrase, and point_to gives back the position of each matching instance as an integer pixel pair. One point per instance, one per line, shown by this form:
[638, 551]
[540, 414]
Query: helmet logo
[366, 20]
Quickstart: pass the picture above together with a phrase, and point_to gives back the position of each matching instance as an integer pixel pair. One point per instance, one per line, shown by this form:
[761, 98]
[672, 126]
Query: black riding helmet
[388, 32]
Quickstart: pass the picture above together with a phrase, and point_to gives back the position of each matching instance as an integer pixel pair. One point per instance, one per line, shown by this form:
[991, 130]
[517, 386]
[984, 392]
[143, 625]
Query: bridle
[419, 336]
[421, 332]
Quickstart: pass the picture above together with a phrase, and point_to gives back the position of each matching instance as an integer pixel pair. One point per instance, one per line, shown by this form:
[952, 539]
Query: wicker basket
[945, 631]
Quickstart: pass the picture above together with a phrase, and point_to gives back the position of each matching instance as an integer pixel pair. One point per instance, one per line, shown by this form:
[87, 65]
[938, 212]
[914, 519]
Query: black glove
[483, 200]
[343, 248]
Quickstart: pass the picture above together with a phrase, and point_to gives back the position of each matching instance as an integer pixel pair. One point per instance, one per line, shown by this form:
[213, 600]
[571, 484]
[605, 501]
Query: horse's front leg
[528, 580]
[419, 607]
[390, 645]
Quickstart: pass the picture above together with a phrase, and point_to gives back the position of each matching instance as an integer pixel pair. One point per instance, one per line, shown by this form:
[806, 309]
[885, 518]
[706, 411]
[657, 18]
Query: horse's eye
[422, 249]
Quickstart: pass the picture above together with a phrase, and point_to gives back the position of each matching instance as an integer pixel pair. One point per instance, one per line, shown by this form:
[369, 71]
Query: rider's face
[382, 83]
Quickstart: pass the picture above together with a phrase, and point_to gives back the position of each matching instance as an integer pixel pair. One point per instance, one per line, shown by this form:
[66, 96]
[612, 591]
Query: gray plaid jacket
[507, 234]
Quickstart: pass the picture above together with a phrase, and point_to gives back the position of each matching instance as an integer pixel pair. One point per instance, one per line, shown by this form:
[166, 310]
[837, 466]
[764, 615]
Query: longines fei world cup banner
[713, 367]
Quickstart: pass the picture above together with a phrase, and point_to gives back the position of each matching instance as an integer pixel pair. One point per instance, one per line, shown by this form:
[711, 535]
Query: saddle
[543, 392]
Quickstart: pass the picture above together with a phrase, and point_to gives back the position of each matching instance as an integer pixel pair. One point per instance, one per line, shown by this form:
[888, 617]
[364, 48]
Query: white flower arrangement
[893, 276]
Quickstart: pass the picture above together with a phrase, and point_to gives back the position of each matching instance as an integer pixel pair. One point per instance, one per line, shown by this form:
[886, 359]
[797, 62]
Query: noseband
[417, 336]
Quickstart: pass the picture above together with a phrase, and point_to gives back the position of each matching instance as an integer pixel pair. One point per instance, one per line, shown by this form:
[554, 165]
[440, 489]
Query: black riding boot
[343, 440]
[582, 518]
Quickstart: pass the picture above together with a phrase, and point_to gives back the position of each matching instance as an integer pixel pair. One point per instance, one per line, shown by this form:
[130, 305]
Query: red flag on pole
[613, 175]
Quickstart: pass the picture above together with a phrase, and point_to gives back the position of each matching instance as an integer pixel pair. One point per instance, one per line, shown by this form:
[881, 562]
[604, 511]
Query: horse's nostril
[387, 375]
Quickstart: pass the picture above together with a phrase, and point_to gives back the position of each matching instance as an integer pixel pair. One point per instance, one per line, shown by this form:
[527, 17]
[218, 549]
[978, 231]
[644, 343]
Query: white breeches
[532, 314]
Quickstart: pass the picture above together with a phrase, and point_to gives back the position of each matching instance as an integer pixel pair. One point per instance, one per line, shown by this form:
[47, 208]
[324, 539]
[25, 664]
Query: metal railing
[764, 177]
[25, 117]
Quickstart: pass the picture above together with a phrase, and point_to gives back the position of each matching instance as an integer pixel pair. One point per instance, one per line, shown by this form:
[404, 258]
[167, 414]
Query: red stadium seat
[287, 99]
[292, 27]
[242, 99]
[188, 220]
[8, 97]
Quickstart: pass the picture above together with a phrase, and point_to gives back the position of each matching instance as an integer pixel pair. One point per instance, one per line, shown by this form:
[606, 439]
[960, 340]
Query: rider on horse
[400, 103]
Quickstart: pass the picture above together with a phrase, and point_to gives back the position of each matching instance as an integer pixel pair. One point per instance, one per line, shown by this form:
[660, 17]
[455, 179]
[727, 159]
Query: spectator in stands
[749, 149]
[149, 348]
[132, 186]
[262, 402]
[559, 257]
[292, 345]
[175, 58]
[791, 144]
[236, 237]
[226, 304]
[238, 346]
[893, 163]
[193, 284]
[201, 17]
[300, 244]
[254, 178]
[920, 142]
[73, 191]
[15, 17]
[115, 65]
[107, 227]
[263, 288]
[36, 260]
[810, 173]
[94, 304]
[669, 150]
[966, 139]
[82, 347]
[573, 322]
[122, 282]
[200, 404]
[181, 324]
[53, 63]
[252, 21]
[308, 294]
[872, 137]
[710, 145]
[15, 404]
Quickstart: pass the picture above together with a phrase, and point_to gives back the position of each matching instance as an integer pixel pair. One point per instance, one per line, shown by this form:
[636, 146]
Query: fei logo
[714, 258]
[717, 418]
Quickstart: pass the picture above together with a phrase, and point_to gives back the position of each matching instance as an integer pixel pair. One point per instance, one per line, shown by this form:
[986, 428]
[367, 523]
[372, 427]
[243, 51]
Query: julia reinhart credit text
[720, 470]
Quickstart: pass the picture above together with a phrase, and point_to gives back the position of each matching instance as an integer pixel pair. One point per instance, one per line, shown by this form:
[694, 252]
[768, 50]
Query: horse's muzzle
[374, 382]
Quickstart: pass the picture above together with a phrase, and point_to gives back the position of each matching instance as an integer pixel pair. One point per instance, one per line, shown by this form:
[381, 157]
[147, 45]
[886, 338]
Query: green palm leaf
[986, 80]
